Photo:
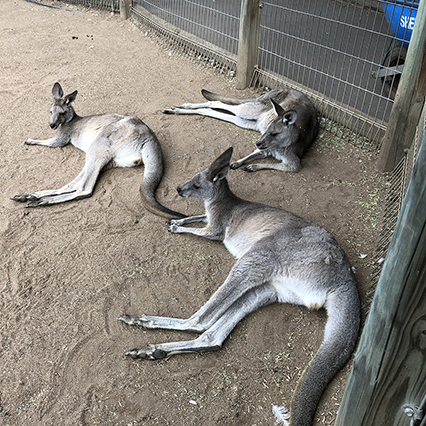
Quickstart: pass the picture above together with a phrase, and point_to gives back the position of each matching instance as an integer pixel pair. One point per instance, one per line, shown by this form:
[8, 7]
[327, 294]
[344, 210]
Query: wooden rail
[248, 45]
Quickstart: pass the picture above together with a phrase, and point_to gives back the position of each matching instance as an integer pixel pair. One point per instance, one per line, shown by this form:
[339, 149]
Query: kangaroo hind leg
[230, 114]
[81, 187]
[213, 338]
[245, 289]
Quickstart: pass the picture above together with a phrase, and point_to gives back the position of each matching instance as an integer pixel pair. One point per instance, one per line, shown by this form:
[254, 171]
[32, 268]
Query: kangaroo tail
[154, 169]
[340, 336]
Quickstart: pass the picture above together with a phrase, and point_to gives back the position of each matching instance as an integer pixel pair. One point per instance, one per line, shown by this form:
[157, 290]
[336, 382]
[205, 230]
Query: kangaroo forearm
[201, 232]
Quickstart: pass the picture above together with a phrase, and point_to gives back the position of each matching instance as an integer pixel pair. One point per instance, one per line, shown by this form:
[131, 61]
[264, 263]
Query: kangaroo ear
[277, 108]
[289, 117]
[71, 97]
[220, 167]
[57, 91]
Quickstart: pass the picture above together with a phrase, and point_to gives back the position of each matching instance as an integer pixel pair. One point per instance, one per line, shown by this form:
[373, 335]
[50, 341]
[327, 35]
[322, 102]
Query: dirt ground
[68, 271]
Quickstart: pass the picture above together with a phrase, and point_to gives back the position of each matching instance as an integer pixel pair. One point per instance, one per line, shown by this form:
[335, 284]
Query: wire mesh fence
[113, 5]
[210, 21]
[398, 183]
[204, 30]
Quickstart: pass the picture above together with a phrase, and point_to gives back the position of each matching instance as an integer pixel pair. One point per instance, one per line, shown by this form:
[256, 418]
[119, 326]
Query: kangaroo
[286, 119]
[109, 140]
[282, 258]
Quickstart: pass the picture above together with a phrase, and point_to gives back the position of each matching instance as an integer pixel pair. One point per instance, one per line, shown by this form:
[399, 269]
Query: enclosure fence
[346, 55]
[332, 50]
[113, 5]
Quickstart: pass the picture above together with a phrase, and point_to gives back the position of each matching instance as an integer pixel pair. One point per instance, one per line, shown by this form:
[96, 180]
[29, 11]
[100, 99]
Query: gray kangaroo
[286, 119]
[109, 140]
[282, 258]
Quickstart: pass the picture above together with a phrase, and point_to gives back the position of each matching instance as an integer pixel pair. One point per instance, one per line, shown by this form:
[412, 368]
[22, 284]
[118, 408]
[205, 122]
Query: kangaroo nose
[53, 126]
[179, 191]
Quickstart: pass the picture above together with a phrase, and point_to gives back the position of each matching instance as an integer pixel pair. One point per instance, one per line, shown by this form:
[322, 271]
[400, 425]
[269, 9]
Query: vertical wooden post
[125, 6]
[248, 43]
[409, 99]
[389, 368]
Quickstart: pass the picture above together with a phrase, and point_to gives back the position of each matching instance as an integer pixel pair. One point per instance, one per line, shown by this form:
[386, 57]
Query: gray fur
[286, 119]
[109, 140]
[281, 257]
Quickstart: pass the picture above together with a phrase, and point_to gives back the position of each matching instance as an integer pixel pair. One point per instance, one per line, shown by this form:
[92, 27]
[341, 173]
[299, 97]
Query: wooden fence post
[248, 43]
[389, 368]
[409, 99]
[125, 6]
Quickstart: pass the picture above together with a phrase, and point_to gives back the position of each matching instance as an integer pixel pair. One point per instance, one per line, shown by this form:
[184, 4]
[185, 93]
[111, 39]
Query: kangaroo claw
[168, 111]
[234, 165]
[173, 228]
[250, 168]
[24, 197]
[140, 321]
[19, 198]
[151, 353]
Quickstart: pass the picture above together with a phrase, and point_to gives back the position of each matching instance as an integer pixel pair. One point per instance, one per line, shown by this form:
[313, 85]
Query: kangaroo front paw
[235, 165]
[250, 168]
[151, 353]
[177, 222]
[173, 228]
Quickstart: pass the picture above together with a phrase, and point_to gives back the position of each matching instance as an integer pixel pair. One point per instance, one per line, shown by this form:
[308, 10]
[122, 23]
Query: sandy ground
[68, 271]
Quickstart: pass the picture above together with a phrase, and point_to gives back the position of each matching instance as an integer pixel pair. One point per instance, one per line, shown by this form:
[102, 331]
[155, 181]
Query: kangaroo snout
[185, 190]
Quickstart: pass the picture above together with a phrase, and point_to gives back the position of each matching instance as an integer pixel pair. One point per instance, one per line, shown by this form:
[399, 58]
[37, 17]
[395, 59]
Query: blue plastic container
[401, 16]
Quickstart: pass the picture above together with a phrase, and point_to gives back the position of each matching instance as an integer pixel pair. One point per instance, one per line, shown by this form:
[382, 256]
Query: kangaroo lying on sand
[109, 140]
[282, 258]
[286, 119]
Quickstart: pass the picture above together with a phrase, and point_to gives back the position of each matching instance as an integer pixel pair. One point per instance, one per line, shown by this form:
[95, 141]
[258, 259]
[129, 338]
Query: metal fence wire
[205, 30]
[113, 5]
[398, 184]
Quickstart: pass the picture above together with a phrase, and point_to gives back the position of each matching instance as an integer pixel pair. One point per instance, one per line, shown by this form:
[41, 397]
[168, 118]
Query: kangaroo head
[282, 132]
[206, 184]
[61, 110]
